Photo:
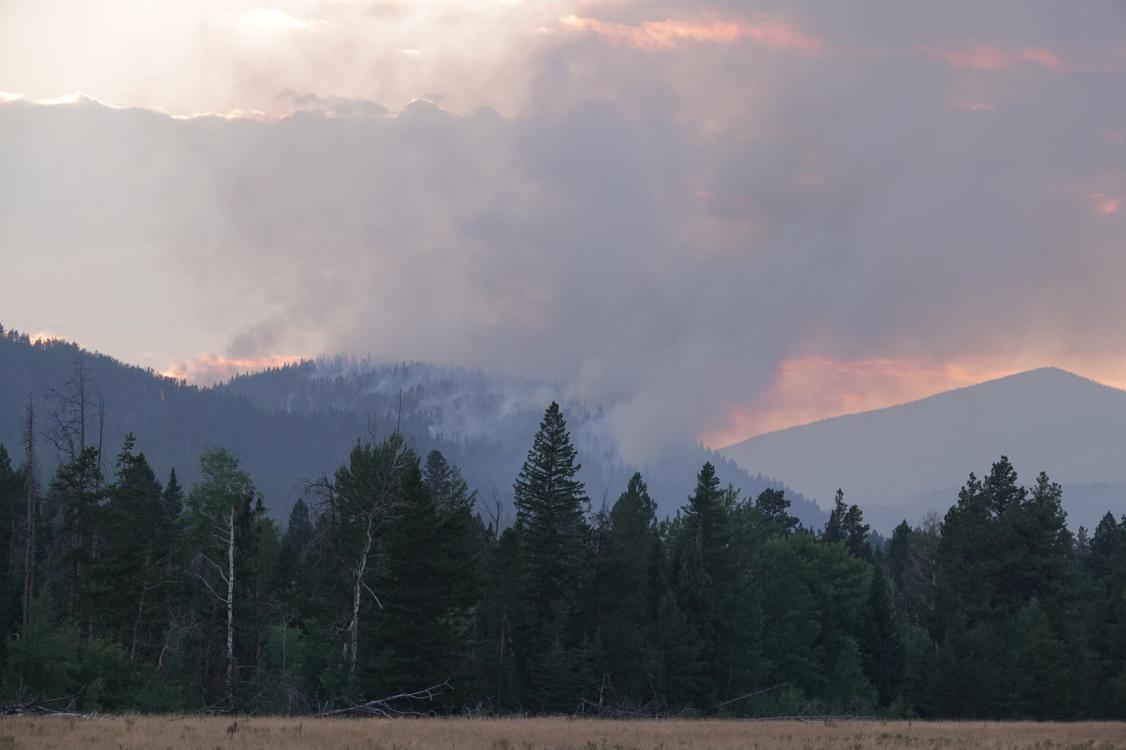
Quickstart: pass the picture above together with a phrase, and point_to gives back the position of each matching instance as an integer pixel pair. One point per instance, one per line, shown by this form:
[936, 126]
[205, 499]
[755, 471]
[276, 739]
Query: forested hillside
[289, 426]
[120, 591]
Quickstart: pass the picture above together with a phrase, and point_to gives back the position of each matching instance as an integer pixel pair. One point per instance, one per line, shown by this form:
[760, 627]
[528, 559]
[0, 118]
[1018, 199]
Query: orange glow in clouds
[662, 35]
[1104, 203]
[809, 389]
[210, 369]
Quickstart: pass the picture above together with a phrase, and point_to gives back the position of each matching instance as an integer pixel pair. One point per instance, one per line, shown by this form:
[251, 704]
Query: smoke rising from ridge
[661, 224]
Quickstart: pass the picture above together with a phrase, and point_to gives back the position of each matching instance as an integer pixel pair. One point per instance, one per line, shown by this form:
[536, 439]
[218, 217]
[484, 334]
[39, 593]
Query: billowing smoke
[681, 202]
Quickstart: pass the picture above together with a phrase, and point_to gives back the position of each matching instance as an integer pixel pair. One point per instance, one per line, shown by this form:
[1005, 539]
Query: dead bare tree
[67, 432]
[493, 511]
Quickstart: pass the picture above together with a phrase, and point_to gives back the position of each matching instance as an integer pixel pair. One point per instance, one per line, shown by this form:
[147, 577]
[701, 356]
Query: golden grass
[213, 733]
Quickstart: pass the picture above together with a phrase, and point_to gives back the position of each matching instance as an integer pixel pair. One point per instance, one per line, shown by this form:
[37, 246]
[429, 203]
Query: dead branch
[40, 706]
[386, 708]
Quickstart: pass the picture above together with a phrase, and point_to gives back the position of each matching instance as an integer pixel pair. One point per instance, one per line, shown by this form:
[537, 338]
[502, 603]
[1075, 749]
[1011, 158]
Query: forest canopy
[124, 591]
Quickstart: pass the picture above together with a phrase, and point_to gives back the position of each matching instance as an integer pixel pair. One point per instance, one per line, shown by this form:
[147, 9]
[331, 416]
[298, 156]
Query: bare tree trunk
[361, 569]
[29, 549]
[231, 605]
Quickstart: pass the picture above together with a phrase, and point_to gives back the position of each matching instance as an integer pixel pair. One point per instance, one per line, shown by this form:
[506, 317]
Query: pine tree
[555, 540]
[77, 490]
[173, 497]
[882, 639]
[705, 578]
[846, 525]
[135, 534]
[12, 503]
[772, 507]
[299, 530]
[1106, 568]
[459, 554]
[629, 589]
[419, 643]
[834, 527]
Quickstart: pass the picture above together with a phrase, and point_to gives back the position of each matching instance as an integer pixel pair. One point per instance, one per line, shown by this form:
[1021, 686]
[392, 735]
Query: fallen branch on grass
[42, 707]
[386, 708]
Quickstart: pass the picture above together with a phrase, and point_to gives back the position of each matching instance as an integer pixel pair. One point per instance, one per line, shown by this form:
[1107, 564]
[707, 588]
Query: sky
[715, 218]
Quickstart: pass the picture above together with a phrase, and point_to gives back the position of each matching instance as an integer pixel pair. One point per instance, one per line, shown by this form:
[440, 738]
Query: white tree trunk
[361, 569]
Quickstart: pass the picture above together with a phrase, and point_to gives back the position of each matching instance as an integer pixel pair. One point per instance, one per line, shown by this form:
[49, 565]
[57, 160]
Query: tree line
[122, 592]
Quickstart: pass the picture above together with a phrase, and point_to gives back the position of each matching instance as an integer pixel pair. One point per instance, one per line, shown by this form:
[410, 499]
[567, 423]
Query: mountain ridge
[1045, 369]
[1046, 419]
[480, 422]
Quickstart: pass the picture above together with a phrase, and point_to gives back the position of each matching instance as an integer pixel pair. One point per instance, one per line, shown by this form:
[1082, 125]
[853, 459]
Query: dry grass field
[195, 733]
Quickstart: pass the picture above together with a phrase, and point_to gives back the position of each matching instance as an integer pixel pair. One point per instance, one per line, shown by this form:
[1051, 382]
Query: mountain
[294, 424]
[906, 460]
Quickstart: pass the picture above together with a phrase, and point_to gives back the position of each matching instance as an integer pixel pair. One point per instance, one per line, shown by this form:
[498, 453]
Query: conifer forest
[394, 587]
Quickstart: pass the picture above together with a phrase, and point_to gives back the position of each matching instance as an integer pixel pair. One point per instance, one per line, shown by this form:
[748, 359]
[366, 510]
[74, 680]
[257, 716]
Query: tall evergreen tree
[77, 492]
[299, 530]
[555, 539]
[630, 587]
[135, 533]
[705, 576]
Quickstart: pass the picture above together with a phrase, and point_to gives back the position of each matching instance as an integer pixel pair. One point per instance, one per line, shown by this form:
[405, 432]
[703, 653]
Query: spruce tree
[299, 529]
[705, 576]
[78, 492]
[629, 589]
[555, 540]
[132, 576]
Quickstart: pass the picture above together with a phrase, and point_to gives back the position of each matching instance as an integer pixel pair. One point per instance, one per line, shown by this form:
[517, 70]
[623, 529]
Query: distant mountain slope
[915, 456]
[488, 421]
[296, 423]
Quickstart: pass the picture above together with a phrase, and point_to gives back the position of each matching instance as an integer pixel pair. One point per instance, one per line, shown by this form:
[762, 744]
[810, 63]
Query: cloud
[996, 58]
[271, 20]
[1104, 203]
[665, 34]
[332, 106]
[1099, 201]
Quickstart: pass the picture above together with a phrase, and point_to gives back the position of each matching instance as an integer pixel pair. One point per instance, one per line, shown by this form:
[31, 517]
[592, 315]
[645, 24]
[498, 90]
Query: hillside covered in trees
[289, 426]
[123, 591]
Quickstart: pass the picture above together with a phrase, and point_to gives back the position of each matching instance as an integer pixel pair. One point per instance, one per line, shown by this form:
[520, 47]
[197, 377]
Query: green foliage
[555, 543]
[42, 659]
[629, 583]
[387, 580]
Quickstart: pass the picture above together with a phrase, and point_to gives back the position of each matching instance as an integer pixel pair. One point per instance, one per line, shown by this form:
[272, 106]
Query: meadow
[219, 733]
